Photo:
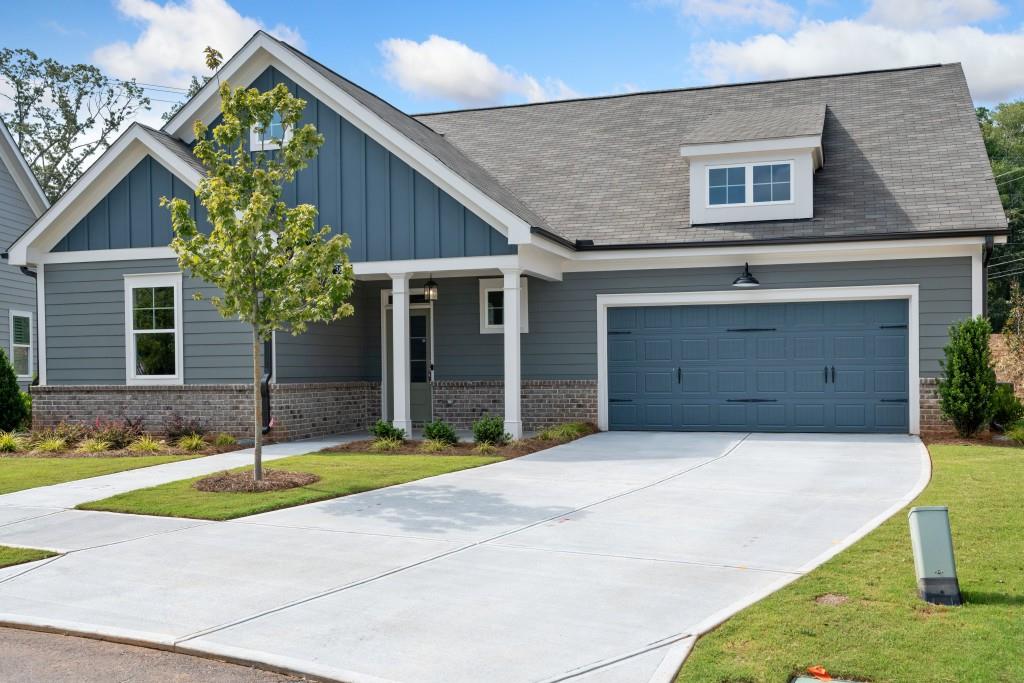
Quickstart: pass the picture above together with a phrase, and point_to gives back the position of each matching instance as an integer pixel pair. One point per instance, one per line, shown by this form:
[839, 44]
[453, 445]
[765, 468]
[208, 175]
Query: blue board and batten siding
[390, 211]
[85, 327]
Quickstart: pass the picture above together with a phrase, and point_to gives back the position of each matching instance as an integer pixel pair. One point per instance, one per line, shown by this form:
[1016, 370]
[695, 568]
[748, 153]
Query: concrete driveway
[599, 560]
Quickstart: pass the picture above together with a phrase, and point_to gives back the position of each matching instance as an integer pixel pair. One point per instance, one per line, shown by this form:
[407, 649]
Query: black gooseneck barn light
[430, 289]
[746, 280]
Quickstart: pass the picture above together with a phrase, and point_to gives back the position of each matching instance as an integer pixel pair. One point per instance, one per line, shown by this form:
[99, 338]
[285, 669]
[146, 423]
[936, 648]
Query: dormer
[754, 164]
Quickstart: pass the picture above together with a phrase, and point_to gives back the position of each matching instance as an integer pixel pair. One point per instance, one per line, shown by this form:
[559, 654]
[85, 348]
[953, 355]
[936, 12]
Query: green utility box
[932, 540]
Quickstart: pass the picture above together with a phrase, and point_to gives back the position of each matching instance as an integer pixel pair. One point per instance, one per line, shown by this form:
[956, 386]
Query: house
[21, 202]
[774, 256]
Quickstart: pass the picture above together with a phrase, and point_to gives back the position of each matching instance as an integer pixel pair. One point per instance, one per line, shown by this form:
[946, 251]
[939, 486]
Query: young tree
[966, 391]
[61, 115]
[274, 268]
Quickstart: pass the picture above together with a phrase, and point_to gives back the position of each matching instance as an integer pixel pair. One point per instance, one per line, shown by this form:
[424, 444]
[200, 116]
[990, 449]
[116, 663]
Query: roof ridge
[663, 91]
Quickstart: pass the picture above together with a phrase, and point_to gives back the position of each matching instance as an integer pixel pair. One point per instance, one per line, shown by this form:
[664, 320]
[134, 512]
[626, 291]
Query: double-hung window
[21, 344]
[270, 138]
[750, 184]
[153, 328]
[492, 306]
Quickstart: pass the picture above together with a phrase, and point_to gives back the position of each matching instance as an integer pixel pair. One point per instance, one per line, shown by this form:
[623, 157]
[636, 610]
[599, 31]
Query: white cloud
[447, 69]
[170, 49]
[770, 13]
[850, 45]
[931, 13]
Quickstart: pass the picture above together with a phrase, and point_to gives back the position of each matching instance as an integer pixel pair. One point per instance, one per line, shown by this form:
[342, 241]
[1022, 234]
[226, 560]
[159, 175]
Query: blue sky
[439, 55]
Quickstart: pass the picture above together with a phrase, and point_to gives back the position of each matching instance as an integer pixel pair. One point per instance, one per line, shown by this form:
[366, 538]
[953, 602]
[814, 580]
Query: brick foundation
[932, 423]
[544, 402]
[300, 410]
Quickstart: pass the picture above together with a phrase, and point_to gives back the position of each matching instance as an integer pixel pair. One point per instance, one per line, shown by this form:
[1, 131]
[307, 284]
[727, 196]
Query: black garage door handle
[751, 400]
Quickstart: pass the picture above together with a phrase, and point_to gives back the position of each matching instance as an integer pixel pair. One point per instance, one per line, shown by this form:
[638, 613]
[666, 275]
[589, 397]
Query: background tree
[62, 115]
[213, 59]
[274, 268]
[1002, 129]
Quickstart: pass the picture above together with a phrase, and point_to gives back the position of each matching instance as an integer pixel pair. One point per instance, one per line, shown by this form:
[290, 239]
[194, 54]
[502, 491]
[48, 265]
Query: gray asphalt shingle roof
[176, 147]
[903, 155]
[761, 123]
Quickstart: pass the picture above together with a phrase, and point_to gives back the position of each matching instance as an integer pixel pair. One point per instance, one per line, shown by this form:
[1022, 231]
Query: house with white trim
[21, 202]
[773, 256]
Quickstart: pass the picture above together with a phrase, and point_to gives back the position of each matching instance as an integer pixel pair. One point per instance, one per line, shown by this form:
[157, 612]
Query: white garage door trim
[908, 292]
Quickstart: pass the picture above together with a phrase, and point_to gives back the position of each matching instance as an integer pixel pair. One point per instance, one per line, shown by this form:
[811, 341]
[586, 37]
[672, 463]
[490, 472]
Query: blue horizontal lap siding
[17, 290]
[85, 327]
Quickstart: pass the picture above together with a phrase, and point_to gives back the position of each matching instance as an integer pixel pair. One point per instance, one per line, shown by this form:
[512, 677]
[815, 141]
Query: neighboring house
[585, 260]
[21, 202]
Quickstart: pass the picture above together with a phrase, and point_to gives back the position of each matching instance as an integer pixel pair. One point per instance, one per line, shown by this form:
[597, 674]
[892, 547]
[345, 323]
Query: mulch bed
[211, 450]
[412, 447]
[242, 482]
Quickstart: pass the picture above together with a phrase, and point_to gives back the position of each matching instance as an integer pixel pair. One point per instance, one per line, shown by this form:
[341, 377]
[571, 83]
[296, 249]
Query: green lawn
[341, 474]
[25, 473]
[10, 556]
[884, 633]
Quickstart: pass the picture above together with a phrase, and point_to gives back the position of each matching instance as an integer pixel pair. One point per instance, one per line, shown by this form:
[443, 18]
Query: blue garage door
[800, 367]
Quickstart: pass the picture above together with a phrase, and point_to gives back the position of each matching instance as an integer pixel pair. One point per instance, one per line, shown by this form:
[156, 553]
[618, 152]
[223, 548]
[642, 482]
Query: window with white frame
[271, 138]
[153, 328]
[21, 344]
[492, 306]
[750, 184]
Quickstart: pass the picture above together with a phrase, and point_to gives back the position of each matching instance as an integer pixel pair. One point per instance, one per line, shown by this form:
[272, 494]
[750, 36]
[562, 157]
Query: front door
[419, 365]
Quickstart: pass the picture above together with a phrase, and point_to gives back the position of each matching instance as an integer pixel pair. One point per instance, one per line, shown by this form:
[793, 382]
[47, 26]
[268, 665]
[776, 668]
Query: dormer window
[272, 138]
[749, 184]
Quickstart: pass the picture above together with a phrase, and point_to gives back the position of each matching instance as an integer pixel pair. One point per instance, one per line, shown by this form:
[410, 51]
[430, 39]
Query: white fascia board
[23, 176]
[740, 148]
[460, 265]
[263, 51]
[133, 145]
[102, 255]
[822, 252]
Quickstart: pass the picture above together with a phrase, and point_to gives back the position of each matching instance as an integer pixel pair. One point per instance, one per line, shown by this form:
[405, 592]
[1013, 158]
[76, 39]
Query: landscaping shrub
[386, 444]
[26, 399]
[965, 392]
[10, 442]
[70, 433]
[435, 446]
[385, 430]
[53, 444]
[1016, 434]
[439, 430]
[177, 426]
[145, 444]
[566, 431]
[223, 440]
[484, 448]
[94, 446]
[12, 406]
[118, 433]
[490, 430]
[1006, 408]
[192, 443]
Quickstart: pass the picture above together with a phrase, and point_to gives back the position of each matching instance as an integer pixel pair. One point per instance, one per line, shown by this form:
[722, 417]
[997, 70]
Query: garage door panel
[760, 367]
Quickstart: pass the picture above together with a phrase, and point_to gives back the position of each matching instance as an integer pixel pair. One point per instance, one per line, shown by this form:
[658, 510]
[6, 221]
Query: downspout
[986, 257]
[268, 372]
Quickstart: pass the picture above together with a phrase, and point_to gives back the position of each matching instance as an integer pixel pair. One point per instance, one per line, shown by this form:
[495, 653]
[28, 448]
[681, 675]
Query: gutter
[268, 372]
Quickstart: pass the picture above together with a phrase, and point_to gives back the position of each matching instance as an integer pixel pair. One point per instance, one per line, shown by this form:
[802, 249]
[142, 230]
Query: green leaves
[966, 391]
[275, 268]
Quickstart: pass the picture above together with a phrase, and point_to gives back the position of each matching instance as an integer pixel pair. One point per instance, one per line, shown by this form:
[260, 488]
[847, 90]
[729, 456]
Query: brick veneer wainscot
[544, 402]
[300, 410]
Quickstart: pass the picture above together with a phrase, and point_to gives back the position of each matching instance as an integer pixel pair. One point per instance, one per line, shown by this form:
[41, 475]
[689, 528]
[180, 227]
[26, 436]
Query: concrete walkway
[599, 560]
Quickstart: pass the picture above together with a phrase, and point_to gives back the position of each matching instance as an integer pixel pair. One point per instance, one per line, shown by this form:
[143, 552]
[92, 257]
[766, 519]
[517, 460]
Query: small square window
[771, 183]
[727, 185]
[492, 305]
[270, 139]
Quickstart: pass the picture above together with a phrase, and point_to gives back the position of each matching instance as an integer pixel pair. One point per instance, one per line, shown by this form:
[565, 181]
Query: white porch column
[511, 311]
[401, 412]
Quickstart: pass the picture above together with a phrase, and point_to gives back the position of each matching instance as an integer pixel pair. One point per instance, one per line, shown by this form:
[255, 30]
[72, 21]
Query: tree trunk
[257, 402]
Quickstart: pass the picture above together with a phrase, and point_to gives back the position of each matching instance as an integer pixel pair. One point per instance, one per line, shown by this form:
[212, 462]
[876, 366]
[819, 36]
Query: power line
[1016, 170]
[1011, 180]
[1010, 274]
[1005, 263]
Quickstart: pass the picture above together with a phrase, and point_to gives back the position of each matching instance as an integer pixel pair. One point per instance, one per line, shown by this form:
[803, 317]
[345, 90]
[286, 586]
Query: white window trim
[257, 143]
[498, 284]
[909, 293]
[748, 177]
[31, 341]
[131, 281]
